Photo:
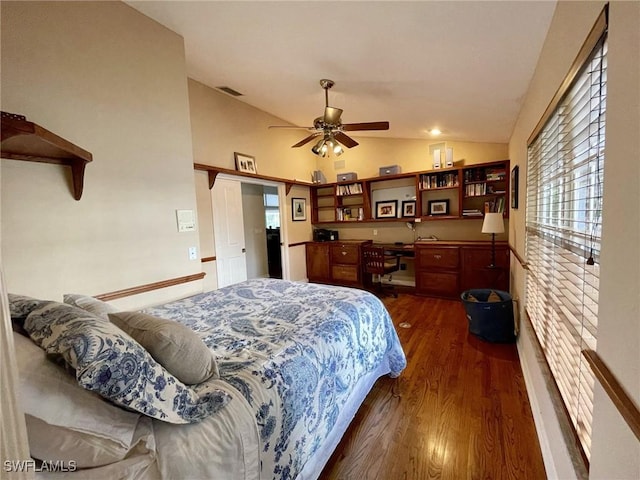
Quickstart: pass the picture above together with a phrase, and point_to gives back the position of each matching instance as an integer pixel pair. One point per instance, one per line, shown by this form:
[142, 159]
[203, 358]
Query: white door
[226, 203]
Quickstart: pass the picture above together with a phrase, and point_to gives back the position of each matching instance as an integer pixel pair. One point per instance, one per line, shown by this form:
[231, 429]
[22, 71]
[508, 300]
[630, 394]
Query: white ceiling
[460, 66]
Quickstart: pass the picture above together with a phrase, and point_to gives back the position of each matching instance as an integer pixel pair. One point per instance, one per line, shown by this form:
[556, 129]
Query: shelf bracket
[26, 141]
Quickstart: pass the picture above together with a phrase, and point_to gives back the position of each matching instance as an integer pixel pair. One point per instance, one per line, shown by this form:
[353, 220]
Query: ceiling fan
[331, 130]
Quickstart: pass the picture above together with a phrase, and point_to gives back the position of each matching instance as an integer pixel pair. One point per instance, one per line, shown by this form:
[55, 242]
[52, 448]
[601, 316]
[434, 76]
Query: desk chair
[378, 263]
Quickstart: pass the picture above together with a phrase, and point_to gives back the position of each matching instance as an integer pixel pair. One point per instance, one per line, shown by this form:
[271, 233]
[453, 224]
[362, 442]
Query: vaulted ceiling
[460, 66]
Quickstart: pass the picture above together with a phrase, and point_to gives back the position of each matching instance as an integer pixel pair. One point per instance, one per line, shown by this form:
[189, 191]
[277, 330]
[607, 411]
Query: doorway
[261, 218]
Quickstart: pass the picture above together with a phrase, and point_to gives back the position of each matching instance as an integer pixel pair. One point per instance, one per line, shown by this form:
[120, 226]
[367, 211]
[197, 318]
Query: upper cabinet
[452, 193]
[24, 140]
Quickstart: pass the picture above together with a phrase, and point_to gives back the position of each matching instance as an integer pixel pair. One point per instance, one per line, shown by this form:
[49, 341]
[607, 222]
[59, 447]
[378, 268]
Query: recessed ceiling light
[435, 131]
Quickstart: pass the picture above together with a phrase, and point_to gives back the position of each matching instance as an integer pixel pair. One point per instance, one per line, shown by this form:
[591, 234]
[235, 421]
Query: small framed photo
[387, 209]
[409, 208]
[298, 209]
[438, 207]
[514, 187]
[245, 163]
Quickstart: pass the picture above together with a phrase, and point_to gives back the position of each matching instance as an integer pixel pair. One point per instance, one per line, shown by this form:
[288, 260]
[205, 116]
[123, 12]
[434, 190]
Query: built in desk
[442, 268]
[401, 249]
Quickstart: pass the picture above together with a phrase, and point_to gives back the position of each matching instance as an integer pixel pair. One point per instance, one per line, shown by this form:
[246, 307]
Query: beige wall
[615, 452]
[222, 125]
[114, 82]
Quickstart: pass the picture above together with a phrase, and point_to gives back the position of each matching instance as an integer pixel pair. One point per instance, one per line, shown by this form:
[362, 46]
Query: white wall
[255, 234]
[615, 452]
[619, 314]
[114, 82]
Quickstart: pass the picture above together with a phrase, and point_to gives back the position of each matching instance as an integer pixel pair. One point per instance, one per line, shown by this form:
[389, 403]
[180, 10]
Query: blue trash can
[490, 321]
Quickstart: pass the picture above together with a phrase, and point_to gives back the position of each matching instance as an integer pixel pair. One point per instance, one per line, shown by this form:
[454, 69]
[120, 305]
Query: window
[563, 229]
[271, 210]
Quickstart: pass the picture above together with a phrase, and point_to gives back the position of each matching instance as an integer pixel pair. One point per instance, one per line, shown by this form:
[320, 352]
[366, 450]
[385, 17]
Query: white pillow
[57, 407]
[90, 304]
[51, 442]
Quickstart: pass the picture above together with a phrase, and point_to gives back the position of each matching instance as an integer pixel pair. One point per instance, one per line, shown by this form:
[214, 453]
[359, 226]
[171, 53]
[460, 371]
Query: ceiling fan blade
[291, 127]
[352, 127]
[332, 115]
[345, 140]
[305, 140]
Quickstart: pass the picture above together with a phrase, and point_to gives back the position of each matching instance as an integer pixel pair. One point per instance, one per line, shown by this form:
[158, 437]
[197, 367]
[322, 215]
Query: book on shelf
[349, 214]
[438, 180]
[472, 212]
[475, 189]
[351, 189]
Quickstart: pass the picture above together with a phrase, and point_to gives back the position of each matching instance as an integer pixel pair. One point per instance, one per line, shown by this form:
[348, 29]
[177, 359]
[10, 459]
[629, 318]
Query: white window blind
[563, 231]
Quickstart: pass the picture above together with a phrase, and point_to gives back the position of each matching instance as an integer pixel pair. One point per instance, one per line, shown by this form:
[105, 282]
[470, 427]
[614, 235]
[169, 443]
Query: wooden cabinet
[446, 269]
[338, 262]
[437, 270]
[444, 194]
[476, 269]
[318, 269]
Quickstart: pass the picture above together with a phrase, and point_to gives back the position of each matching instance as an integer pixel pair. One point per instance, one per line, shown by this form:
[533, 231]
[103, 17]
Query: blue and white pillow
[112, 364]
[20, 305]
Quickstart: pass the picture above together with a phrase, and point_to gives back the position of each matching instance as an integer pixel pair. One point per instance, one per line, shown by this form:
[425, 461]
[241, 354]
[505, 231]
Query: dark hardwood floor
[459, 410]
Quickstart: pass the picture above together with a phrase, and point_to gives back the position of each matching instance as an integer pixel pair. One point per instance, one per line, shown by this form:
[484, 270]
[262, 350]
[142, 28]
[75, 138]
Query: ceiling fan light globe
[337, 150]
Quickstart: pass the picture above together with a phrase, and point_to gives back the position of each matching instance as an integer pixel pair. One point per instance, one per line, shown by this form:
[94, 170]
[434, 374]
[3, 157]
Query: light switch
[193, 253]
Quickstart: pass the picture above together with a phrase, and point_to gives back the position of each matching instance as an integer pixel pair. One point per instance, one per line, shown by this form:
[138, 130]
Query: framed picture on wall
[409, 208]
[245, 163]
[298, 209]
[387, 209]
[438, 207]
[514, 187]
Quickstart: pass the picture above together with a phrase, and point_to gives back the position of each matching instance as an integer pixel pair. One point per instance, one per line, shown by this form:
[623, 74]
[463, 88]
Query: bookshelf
[467, 191]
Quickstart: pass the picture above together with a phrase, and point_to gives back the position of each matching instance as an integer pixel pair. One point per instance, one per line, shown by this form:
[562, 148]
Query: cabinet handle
[437, 257]
[343, 252]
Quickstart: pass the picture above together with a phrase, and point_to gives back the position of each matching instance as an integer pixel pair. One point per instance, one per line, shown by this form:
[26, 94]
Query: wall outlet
[193, 253]
[375, 232]
[403, 266]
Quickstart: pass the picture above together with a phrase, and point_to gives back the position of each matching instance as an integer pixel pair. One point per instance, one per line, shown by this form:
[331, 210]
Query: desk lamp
[493, 223]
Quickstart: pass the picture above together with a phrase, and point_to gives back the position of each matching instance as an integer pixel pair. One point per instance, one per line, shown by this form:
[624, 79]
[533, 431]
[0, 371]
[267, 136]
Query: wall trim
[127, 292]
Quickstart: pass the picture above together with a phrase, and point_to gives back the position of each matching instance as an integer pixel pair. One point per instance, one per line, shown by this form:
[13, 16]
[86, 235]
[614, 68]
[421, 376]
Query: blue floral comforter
[294, 351]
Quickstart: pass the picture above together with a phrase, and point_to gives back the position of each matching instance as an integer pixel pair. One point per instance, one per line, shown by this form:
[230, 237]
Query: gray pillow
[171, 344]
[90, 304]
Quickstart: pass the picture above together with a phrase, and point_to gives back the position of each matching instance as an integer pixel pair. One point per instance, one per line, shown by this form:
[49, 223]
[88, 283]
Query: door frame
[282, 205]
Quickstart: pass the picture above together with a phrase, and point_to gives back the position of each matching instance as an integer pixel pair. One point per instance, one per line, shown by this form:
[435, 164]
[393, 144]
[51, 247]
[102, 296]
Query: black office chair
[378, 263]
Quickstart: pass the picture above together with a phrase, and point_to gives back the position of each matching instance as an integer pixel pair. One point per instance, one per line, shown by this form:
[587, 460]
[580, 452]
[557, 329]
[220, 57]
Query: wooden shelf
[26, 141]
[214, 171]
[454, 194]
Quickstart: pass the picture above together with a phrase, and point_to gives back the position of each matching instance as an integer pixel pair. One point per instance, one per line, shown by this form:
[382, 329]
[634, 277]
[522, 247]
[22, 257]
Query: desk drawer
[345, 254]
[440, 284]
[438, 257]
[345, 273]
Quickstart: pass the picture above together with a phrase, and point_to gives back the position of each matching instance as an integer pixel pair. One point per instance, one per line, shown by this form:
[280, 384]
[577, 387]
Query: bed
[294, 363]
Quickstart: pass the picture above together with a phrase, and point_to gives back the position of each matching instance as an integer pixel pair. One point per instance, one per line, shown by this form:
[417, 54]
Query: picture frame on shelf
[515, 173]
[298, 209]
[245, 163]
[438, 207]
[387, 209]
[408, 208]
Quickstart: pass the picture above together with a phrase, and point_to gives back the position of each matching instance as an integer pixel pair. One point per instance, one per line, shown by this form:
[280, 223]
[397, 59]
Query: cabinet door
[438, 284]
[477, 272]
[318, 262]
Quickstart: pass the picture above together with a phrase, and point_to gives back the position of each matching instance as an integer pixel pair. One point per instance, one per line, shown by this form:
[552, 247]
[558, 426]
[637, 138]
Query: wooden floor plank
[459, 410]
